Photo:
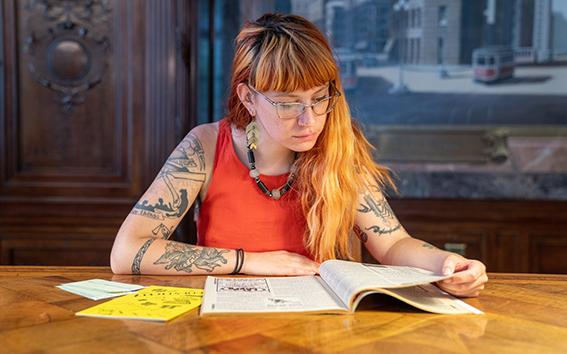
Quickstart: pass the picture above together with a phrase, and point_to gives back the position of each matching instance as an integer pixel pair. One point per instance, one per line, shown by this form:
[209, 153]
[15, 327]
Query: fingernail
[446, 271]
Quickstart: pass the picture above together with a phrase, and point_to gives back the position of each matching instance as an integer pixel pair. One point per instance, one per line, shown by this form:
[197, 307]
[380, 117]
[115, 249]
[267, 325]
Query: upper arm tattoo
[136, 264]
[183, 257]
[185, 166]
[362, 236]
[381, 209]
[428, 245]
[383, 230]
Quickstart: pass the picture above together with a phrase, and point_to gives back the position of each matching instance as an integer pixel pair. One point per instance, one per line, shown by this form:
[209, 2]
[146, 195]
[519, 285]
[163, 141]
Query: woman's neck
[272, 159]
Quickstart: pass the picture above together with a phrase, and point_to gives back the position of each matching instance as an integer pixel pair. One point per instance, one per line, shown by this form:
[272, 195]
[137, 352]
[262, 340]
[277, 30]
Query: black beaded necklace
[276, 193]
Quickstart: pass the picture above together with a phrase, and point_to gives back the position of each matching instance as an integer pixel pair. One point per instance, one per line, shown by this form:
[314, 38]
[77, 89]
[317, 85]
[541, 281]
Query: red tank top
[236, 214]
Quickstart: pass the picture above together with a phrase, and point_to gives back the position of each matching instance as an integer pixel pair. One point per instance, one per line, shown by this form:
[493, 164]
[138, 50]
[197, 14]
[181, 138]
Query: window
[413, 19]
[442, 17]
[440, 44]
[440, 96]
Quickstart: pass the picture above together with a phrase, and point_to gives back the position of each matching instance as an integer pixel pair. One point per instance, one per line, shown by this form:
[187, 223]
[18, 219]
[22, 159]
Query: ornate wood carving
[68, 46]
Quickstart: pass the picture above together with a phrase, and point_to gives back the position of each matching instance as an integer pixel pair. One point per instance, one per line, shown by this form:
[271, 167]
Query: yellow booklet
[154, 303]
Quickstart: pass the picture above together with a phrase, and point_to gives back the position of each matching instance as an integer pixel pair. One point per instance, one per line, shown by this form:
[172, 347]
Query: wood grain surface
[524, 313]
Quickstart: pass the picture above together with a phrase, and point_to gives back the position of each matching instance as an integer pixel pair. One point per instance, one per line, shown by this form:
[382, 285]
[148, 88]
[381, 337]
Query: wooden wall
[508, 236]
[94, 97]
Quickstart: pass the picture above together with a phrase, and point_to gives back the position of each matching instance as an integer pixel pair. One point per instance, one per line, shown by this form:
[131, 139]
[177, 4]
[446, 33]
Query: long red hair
[285, 53]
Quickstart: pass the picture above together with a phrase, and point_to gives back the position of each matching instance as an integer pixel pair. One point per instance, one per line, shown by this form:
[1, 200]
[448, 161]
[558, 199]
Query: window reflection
[425, 65]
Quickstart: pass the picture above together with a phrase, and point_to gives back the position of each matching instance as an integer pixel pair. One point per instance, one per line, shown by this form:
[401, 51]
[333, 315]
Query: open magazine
[339, 289]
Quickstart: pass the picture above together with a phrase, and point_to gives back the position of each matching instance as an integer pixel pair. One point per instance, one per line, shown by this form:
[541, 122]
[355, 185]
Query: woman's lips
[305, 136]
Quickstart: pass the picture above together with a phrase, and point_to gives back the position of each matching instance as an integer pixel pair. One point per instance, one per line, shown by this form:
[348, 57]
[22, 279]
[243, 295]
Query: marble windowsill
[536, 169]
[470, 185]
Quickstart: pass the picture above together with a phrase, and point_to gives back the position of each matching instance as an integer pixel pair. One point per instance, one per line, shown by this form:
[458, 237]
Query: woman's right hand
[278, 263]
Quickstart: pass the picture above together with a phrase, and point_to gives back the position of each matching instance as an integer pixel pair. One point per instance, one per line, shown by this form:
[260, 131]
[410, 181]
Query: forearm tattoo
[136, 264]
[183, 257]
[381, 209]
[185, 166]
[162, 231]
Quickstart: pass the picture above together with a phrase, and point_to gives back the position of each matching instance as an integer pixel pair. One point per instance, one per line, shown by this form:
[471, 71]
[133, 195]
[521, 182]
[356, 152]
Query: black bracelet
[236, 263]
[239, 261]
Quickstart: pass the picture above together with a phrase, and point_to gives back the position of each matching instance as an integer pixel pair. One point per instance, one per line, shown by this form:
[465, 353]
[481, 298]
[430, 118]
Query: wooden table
[525, 313]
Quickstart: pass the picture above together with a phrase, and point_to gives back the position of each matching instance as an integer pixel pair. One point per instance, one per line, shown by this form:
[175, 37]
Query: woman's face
[294, 133]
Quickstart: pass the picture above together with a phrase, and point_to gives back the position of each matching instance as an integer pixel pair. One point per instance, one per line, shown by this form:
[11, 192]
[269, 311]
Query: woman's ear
[246, 97]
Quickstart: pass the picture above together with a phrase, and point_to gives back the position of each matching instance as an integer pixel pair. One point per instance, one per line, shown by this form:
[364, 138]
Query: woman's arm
[385, 238]
[142, 245]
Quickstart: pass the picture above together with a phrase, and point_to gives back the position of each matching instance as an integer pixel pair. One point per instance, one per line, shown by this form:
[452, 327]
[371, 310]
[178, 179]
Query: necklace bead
[276, 193]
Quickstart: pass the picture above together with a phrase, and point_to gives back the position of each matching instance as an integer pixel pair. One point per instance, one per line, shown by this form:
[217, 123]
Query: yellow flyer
[154, 303]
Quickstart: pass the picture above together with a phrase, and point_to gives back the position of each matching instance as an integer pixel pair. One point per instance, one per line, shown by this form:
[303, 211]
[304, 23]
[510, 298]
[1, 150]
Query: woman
[281, 181]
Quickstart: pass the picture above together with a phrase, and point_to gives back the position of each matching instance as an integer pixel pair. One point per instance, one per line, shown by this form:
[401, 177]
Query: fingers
[472, 270]
[466, 282]
[470, 285]
[454, 263]
[305, 265]
[469, 279]
[473, 292]
[301, 271]
[471, 289]
[449, 265]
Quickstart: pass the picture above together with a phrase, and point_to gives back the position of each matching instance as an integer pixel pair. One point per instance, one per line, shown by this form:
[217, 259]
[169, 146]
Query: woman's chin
[302, 147]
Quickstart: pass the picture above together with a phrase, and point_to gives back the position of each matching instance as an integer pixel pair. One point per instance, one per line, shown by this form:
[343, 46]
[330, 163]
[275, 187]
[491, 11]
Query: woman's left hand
[469, 279]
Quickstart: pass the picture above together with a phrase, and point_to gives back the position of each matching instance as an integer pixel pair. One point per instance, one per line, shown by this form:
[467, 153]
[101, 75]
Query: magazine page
[154, 303]
[426, 297]
[269, 295]
[349, 278]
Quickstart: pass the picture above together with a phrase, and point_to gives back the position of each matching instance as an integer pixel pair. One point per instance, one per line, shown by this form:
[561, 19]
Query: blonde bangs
[291, 63]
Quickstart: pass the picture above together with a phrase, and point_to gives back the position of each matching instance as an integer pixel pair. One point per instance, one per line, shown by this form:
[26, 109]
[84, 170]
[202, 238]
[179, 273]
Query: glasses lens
[288, 111]
[324, 106]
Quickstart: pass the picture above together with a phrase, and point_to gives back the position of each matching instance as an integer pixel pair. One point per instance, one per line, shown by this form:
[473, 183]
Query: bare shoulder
[203, 139]
[205, 133]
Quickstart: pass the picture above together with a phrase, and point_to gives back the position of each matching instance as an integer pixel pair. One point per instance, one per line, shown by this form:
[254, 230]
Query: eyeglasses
[290, 110]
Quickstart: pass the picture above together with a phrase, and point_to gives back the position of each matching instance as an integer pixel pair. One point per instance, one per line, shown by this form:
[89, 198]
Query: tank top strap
[223, 139]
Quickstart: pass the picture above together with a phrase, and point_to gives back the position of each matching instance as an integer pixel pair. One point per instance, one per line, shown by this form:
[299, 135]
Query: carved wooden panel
[509, 250]
[54, 251]
[93, 99]
[471, 243]
[548, 251]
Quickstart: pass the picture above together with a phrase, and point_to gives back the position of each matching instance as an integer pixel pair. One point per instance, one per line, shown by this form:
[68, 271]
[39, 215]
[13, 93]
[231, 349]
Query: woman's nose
[307, 117]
